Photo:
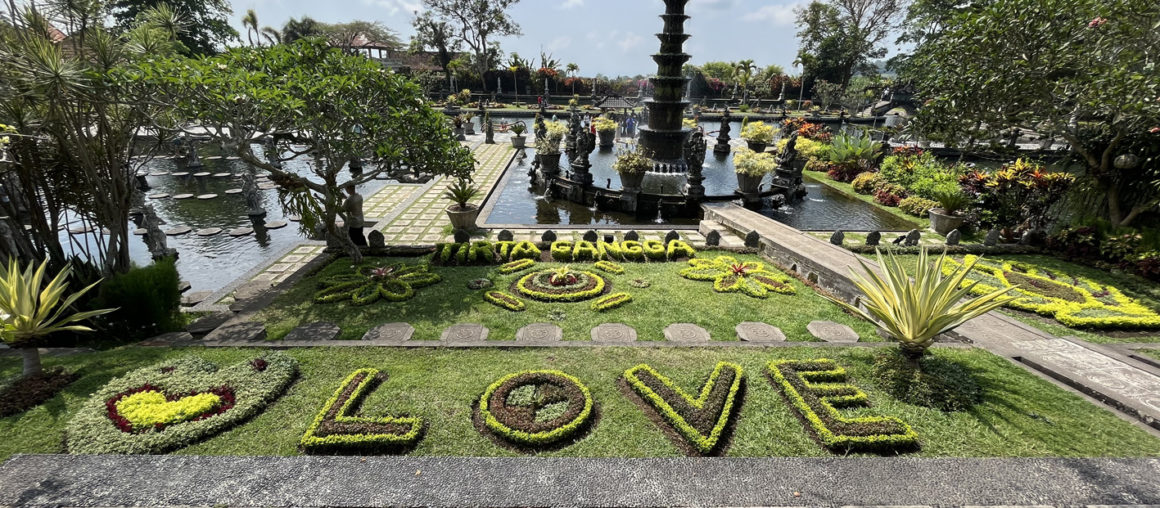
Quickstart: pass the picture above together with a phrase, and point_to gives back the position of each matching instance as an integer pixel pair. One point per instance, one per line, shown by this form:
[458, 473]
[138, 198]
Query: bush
[867, 182]
[890, 194]
[757, 132]
[916, 206]
[1079, 242]
[339, 429]
[806, 148]
[147, 299]
[933, 382]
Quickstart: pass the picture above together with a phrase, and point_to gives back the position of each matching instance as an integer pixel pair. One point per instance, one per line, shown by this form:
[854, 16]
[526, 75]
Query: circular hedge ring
[538, 286]
[536, 407]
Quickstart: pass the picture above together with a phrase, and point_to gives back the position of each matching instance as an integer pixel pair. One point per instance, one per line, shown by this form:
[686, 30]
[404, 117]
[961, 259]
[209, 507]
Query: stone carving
[874, 238]
[253, 197]
[695, 159]
[912, 238]
[752, 239]
[376, 240]
[954, 237]
[838, 238]
[713, 239]
[992, 238]
[506, 236]
[722, 145]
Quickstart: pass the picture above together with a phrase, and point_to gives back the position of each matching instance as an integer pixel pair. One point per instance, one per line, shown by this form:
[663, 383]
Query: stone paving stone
[686, 332]
[206, 324]
[195, 297]
[540, 332]
[464, 332]
[395, 333]
[613, 332]
[830, 331]
[168, 339]
[751, 331]
[242, 331]
[318, 330]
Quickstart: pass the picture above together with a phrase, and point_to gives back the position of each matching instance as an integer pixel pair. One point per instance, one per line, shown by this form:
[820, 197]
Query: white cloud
[782, 14]
[560, 43]
[568, 4]
[395, 6]
[628, 41]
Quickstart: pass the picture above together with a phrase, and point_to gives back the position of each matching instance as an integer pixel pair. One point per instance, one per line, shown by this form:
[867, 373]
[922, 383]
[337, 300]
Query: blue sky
[601, 36]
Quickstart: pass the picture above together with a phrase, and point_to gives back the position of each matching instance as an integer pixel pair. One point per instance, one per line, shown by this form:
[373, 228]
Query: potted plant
[518, 138]
[457, 120]
[606, 129]
[946, 218]
[467, 123]
[632, 164]
[751, 167]
[758, 135]
[462, 213]
[548, 148]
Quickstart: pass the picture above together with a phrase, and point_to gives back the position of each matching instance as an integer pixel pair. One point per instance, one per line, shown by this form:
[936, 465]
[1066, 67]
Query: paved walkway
[63, 480]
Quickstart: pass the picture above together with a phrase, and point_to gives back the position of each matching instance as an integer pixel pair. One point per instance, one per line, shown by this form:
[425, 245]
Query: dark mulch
[29, 392]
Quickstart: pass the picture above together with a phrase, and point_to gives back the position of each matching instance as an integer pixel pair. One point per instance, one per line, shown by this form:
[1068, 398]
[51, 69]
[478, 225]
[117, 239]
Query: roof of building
[617, 102]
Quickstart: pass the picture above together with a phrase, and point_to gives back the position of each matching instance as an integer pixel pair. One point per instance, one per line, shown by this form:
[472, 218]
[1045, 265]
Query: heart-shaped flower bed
[173, 404]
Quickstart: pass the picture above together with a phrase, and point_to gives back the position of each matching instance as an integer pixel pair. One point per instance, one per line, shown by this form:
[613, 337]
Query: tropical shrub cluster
[394, 282]
[732, 276]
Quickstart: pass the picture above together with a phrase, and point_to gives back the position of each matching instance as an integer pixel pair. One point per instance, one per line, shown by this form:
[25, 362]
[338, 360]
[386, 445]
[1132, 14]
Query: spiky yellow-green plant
[915, 312]
[32, 309]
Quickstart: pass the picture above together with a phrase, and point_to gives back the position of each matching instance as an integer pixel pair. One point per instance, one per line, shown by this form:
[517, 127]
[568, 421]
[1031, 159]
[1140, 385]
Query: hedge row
[535, 285]
[815, 390]
[505, 301]
[484, 252]
[611, 301]
[701, 421]
[253, 385]
[732, 276]
[518, 423]
[339, 430]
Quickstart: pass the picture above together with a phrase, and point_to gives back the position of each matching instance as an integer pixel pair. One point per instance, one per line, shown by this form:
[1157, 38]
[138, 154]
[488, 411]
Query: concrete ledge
[56, 480]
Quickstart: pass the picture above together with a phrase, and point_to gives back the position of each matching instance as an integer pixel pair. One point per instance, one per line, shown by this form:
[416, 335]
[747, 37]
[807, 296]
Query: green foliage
[951, 199]
[604, 124]
[916, 206]
[549, 387]
[582, 285]
[609, 267]
[461, 192]
[147, 299]
[339, 429]
[701, 421]
[33, 308]
[839, 39]
[678, 249]
[203, 26]
[252, 384]
[394, 282]
[815, 390]
[516, 266]
[934, 382]
[914, 313]
[757, 132]
[504, 300]
[867, 182]
[748, 162]
[632, 161]
[611, 301]
[549, 144]
[730, 275]
[1018, 195]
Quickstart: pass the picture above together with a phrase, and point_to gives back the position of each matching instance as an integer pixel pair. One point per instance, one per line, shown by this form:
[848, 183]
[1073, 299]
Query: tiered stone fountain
[664, 136]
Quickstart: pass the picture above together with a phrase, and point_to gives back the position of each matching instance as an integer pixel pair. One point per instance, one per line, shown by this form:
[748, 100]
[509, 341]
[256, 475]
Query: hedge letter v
[700, 421]
[337, 429]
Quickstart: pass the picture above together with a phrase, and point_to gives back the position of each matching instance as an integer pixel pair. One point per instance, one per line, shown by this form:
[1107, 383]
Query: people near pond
[354, 216]
[630, 126]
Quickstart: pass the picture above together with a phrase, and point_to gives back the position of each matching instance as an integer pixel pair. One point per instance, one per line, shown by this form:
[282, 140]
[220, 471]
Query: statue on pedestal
[695, 148]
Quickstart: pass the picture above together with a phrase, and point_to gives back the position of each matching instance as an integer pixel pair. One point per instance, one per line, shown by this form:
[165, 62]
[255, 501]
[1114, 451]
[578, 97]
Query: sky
[610, 37]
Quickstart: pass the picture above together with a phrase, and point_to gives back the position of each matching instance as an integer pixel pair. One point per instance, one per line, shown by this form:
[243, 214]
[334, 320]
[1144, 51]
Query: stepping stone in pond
[751, 331]
[207, 196]
[183, 196]
[183, 286]
[159, 173]
[829, 331]
[209, 323]
[275, 224]
[222, 175]
[240, 231]
[80, 230]
[540, 332]
[393, 333]
[208, 231]
[180, 173]
[613, 332]
[234, 191]
[686, 332]
[195, 297]
[106, 232]
[268, 186]
[294, 218]
[158, 195]
[140, 231]
[318, 330]
[201, 174]
[178, 230]
[243, 331]
[464, 332]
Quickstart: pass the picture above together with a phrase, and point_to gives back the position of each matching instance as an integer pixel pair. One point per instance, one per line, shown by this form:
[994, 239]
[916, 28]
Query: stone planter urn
[463, 218]
[459, 134]
[943, 223]
[757, 147]
[550, 164]
[607, 138]
[469, 127]
[631, 182]
[518, 141]
[749, 184]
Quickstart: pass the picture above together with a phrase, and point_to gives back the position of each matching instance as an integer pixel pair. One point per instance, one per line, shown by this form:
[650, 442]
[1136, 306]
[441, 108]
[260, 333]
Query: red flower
[1155, 130]
[1098, 21]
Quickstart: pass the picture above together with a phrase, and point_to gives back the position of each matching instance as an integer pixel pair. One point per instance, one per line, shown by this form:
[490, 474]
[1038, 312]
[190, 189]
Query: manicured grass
[920, 223]
[1021, 415]
[669, 299]
[1144, 291]
[1154, 353]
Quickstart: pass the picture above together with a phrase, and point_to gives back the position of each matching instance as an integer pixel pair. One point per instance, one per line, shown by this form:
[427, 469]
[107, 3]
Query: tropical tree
[205, 29]
[1084, 71]
[742, 72]
[307, 94]
[477, 23]
[250, 23]
[344, 35]
[435, 34]
[573, 70]
[73, 123]
[295, 29]
[32, 309]
[840, 37]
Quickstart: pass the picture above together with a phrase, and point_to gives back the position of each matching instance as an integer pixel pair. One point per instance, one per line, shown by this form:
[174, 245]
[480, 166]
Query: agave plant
[916, 312]
[32, 309]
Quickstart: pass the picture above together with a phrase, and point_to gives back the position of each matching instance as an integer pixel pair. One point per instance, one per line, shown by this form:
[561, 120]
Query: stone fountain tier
[665, 145]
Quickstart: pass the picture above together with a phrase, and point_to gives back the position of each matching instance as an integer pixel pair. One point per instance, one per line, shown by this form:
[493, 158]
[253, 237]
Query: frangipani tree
[314, 100]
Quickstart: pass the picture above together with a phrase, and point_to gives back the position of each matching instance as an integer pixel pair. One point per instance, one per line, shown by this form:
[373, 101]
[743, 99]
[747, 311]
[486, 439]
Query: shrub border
[538, 438]
[370, 380]
[703, 444]
[505, 301]
[612, 301]
[566, 297]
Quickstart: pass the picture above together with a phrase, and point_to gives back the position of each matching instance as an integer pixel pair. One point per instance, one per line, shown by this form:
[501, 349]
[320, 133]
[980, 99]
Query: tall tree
[295, 29]
[207, 27]
[477, 24]
[840, 37]
[346, 35]
[436, 35]
[1085, 71]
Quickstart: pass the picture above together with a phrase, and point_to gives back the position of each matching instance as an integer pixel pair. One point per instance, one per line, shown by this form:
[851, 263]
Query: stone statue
[723, 134]
[786, 157]
[695, 148]
[253, 198]
[585, 144]
[154, 237]
[574, 129]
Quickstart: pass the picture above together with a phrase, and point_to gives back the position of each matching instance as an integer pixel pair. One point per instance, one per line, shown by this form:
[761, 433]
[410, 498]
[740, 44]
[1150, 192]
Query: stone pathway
[285, 266]
[184, 480]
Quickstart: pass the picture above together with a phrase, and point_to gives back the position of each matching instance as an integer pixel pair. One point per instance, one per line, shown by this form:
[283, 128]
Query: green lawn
[920, 223]
[1154, 353]
[1142, 290]
[1021, 415]
[669, 299]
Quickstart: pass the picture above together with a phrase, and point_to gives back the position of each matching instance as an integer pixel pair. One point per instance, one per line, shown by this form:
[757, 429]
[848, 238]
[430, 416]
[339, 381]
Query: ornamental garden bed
[645, 295]
[427, 401]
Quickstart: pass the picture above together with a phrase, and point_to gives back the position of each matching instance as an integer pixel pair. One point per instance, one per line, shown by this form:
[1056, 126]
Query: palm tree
[272, 35]
[742, 71]
[250, 21]
[572, 70]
